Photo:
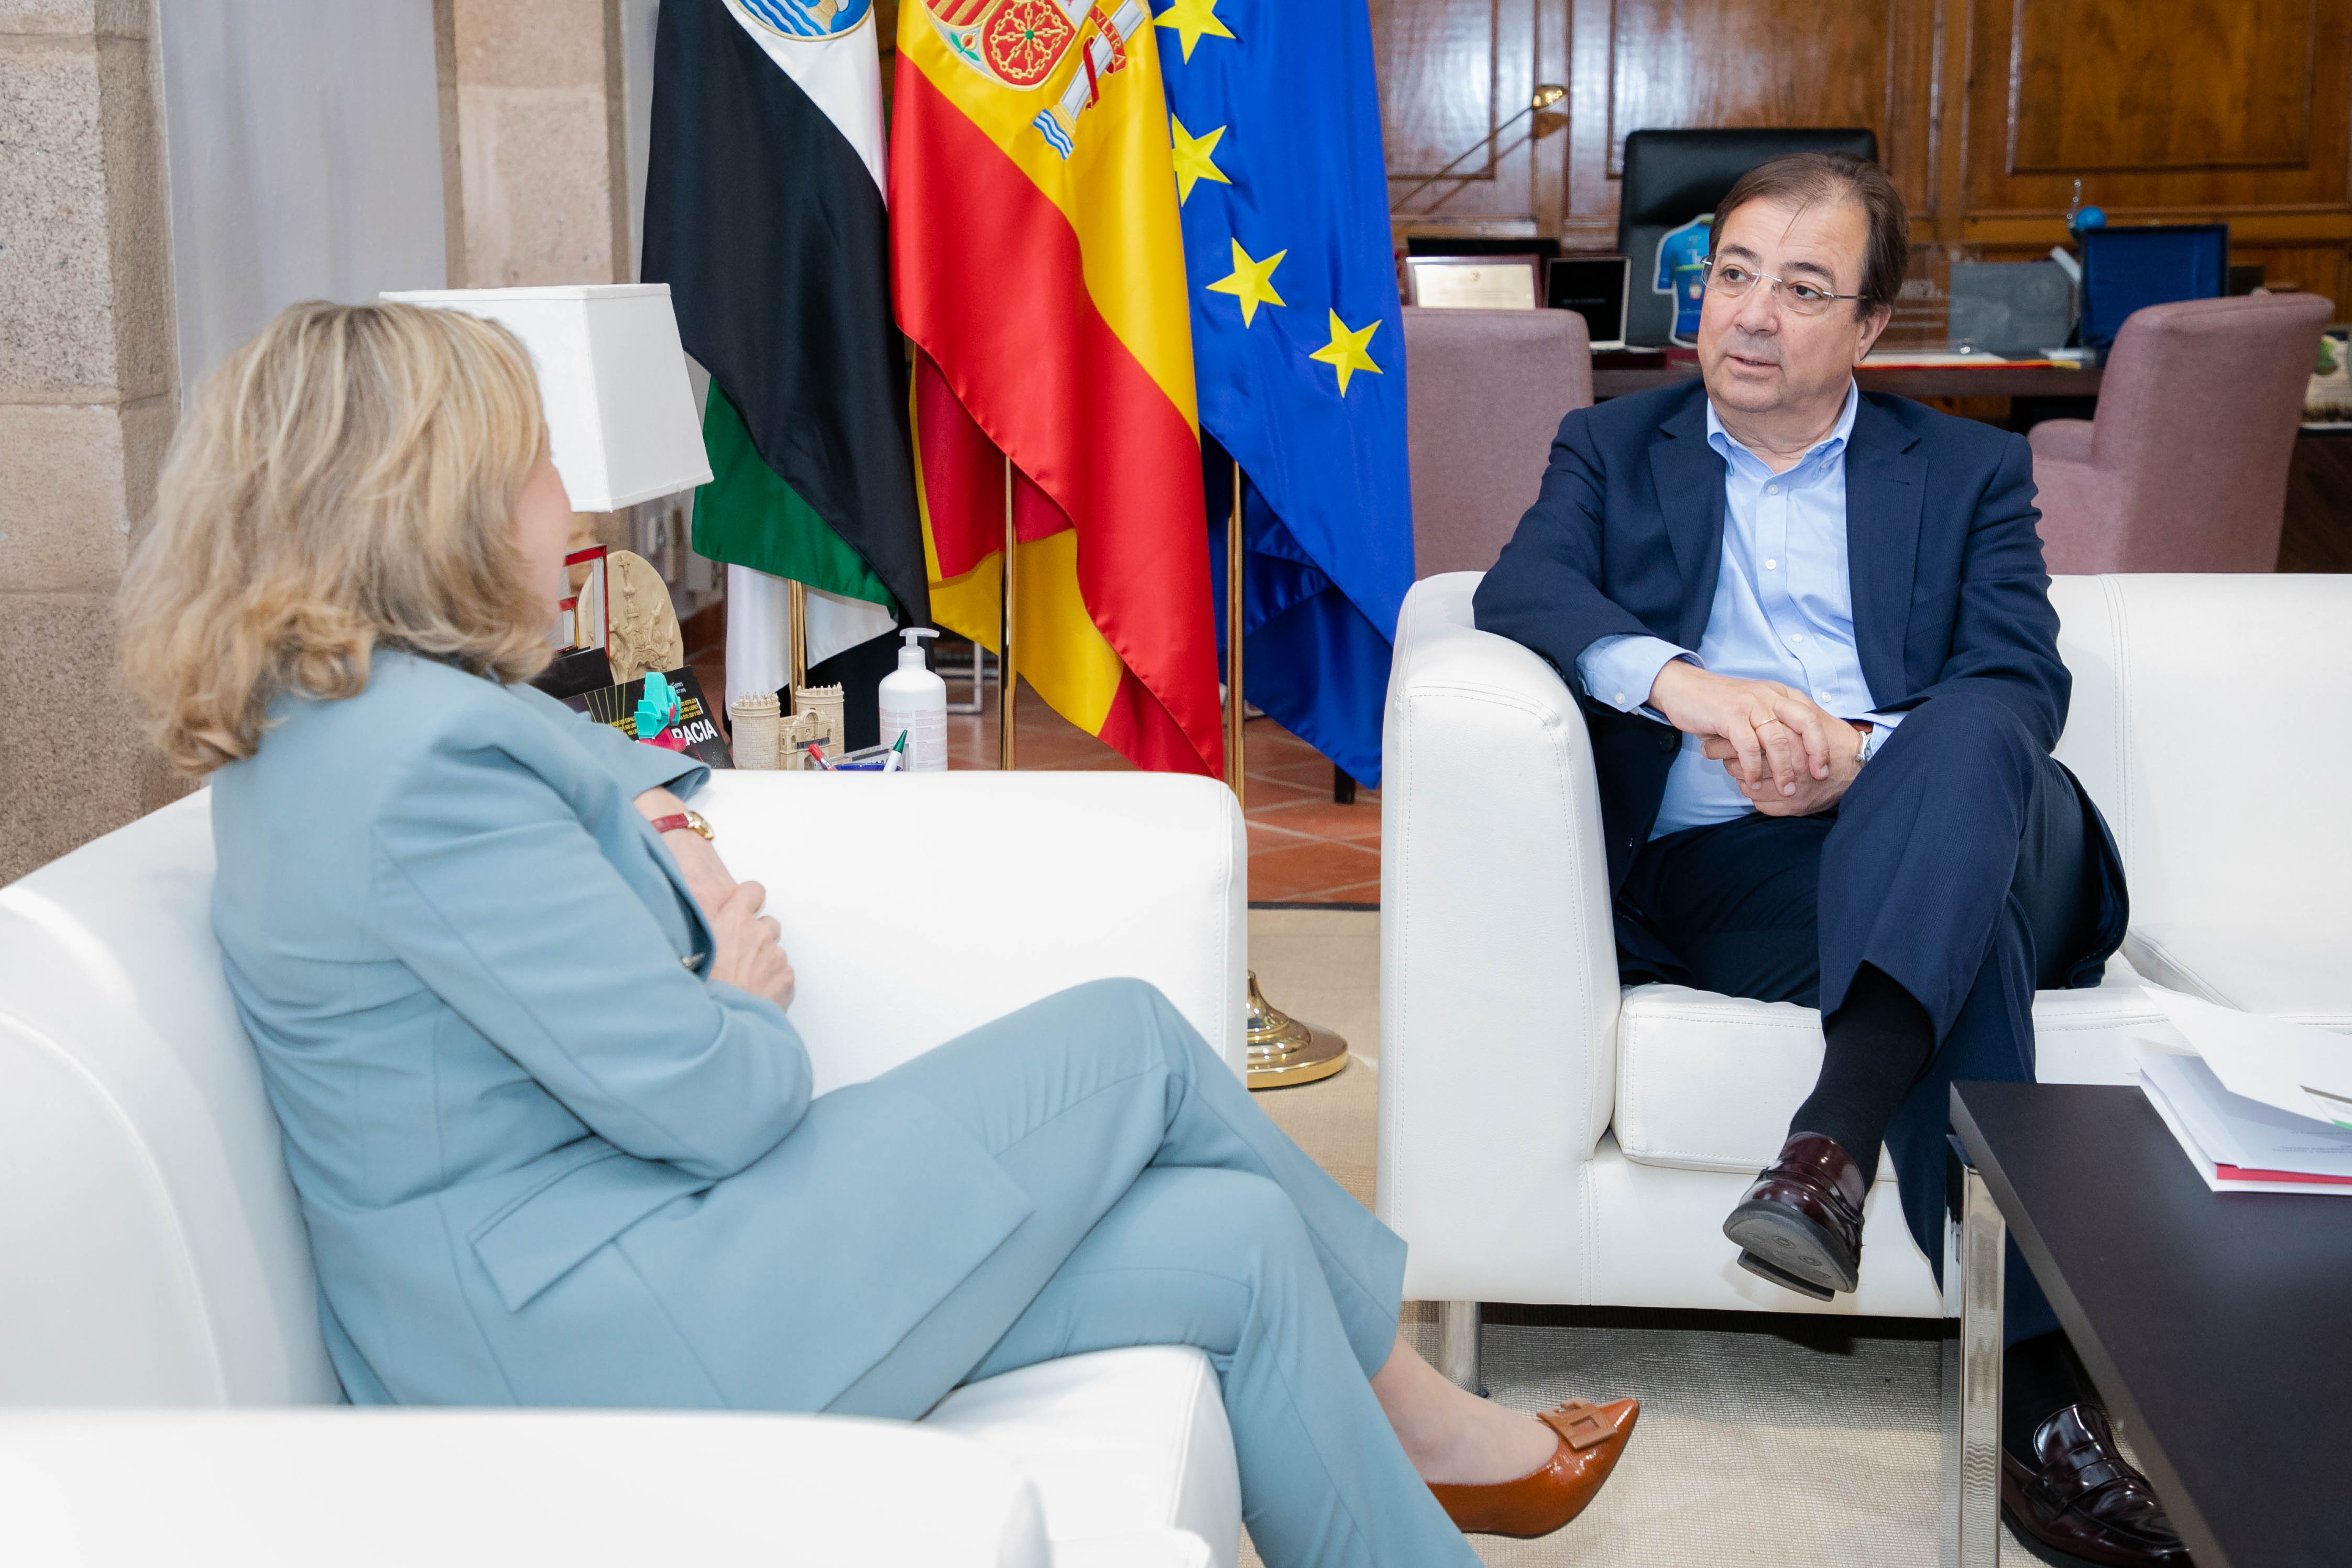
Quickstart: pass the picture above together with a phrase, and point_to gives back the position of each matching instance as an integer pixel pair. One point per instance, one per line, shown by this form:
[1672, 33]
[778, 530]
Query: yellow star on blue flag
[1290, 158]
[1345, 351]
[1195, 158]
[1248, 283]
[1192, 19]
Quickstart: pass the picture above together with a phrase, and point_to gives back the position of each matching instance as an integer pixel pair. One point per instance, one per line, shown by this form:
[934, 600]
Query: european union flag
[1297, 348]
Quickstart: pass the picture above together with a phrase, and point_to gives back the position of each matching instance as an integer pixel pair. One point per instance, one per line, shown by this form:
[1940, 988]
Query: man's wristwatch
[1871, 739]
[687, 821]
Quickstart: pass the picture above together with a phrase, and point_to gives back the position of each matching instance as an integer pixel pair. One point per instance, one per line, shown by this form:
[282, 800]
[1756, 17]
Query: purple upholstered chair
[2185, 467]
[1487, 393]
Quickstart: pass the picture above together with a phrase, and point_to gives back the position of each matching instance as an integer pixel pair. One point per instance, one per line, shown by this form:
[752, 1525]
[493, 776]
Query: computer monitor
[2128, 269]
[1594, 287]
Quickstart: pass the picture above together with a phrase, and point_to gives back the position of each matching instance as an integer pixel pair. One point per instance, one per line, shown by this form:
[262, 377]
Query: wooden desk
[2318, 532]
[1940, 380]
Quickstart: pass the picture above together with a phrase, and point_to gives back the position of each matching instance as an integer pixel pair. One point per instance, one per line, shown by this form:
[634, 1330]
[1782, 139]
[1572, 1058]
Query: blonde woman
[550, 1124]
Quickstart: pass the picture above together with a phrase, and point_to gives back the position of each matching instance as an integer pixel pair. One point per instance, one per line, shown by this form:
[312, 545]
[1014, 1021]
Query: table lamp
[620, 421]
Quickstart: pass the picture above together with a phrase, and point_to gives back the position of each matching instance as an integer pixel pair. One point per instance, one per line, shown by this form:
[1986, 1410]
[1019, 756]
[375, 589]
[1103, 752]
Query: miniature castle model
[815, 720]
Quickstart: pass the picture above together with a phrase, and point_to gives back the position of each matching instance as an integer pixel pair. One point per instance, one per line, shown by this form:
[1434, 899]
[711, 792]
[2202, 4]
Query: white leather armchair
[1546, 1136]
[155, 1257]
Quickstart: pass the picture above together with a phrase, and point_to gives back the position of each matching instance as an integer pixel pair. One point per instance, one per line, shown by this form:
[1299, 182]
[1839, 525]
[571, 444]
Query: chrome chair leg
[1457, 1344]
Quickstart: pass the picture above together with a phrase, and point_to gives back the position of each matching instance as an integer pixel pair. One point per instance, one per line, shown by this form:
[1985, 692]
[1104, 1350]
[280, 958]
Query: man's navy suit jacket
[1949, 590]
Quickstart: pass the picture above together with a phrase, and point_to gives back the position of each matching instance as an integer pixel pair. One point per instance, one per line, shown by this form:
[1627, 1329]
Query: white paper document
[2229, 1138]
[2298, 1069]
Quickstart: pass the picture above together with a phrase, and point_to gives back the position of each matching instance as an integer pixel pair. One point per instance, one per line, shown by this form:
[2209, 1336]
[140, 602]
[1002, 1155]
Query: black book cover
[696, 725]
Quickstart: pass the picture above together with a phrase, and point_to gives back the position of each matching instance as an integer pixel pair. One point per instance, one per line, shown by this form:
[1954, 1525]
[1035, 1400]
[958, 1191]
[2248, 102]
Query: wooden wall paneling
[2159, 107]
[1437, 66]
[1452, 71]
[2313, 269]
[1755, 62]
[1664, 64]
[2099, 85]
[1949, 107]
[1589, 221]
[1554, 62]
[1906, 127]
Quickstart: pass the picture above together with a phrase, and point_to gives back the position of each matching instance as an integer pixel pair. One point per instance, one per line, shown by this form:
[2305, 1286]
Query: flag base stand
[1283, 1051]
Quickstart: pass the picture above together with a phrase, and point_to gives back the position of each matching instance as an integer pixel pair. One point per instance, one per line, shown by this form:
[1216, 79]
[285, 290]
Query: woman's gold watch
[687, 821]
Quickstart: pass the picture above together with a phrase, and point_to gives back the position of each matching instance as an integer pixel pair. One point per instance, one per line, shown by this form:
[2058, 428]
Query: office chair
[2185, 467]
[1488, 391]
[1673, 176]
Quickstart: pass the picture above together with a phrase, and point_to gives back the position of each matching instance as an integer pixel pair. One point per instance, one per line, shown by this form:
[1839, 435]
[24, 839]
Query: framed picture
[1594, 287]
[1474, 282]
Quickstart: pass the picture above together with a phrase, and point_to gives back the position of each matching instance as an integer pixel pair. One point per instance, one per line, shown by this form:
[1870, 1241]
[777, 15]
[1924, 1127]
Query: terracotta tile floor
[1304, 847]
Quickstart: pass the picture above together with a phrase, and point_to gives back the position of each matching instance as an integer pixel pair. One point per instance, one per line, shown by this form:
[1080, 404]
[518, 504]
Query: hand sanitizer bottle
[914, 702]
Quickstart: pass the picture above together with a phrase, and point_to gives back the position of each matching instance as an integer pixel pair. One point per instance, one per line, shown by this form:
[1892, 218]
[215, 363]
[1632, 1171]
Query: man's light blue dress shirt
[1783, 612]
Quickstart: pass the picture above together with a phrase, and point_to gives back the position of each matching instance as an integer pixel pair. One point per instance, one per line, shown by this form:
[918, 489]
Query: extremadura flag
[1298, 346]
[764, 212]
[1038, 267]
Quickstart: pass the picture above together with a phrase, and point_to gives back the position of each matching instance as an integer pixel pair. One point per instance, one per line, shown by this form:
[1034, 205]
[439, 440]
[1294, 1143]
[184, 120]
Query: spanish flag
[1037, 264]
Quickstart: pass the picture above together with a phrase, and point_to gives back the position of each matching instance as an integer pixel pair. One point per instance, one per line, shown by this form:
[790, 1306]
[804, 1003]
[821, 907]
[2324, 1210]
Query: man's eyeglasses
[1737, 280]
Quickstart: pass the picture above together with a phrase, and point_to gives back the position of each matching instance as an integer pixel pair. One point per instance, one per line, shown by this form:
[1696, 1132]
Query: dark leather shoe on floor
[2081, 1501]
[1801, 1224]
[1591, 1439]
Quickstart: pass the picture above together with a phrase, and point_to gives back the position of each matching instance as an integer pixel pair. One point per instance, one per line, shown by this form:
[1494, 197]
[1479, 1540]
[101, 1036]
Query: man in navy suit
[1838, 600]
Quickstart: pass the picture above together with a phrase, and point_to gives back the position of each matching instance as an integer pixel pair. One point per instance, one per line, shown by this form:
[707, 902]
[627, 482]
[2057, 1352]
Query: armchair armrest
[2067, 439]
[1498, 969]
[915, 908]
[490, 1489]
[2083, 514]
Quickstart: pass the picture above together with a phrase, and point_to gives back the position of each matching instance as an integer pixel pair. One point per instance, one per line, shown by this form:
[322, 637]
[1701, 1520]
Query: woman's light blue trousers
[1169, 1210]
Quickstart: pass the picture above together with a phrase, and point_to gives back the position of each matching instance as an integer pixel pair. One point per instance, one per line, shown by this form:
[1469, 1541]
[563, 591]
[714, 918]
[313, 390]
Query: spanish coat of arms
[1020, 43]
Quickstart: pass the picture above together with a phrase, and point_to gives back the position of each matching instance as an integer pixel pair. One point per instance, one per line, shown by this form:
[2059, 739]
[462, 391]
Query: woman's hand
[744, 950]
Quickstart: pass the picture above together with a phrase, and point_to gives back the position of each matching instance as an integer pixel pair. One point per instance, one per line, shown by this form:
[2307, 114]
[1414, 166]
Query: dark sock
[2039, 1377]
[1879, 1043]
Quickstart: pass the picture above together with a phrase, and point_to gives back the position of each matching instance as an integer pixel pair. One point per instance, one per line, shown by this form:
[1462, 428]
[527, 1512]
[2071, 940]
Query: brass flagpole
[796, 634]
[1283, 1050]
[1006, 681]
[1235, 775]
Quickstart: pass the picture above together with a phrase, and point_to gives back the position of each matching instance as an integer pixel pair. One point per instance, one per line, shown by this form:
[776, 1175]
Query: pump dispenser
[914, 702]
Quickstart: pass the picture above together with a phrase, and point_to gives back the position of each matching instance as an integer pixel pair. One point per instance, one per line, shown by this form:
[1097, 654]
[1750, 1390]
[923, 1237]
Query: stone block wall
[541, 143]
[535, 170]
[88, 398]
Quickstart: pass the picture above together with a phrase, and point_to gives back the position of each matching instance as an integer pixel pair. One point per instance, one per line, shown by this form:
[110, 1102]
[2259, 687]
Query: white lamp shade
[612, 373]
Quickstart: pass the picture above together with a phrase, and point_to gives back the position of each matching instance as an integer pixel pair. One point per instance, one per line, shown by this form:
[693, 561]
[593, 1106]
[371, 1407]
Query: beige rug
[1765, 1442]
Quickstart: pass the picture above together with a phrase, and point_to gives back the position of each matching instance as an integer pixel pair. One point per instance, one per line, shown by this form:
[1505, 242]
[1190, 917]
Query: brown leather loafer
[2081, 1500]
[1801, 1224]
[1591, 1439]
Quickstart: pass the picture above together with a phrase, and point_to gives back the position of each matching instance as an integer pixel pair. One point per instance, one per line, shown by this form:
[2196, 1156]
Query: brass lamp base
[1283, 1051]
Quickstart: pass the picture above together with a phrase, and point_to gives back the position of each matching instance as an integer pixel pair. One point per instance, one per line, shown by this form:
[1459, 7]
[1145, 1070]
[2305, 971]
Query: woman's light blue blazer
[544, 1159]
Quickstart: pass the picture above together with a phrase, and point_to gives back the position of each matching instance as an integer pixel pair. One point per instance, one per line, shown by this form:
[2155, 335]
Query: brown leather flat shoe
[1591, 1439]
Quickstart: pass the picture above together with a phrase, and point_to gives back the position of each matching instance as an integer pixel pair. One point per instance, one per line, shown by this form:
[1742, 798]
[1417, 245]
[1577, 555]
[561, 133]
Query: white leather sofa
[164, 1392]
[1546, 1136]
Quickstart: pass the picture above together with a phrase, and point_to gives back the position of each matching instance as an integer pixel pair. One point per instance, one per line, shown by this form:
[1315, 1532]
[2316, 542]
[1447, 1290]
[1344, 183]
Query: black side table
[2218, 1326]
